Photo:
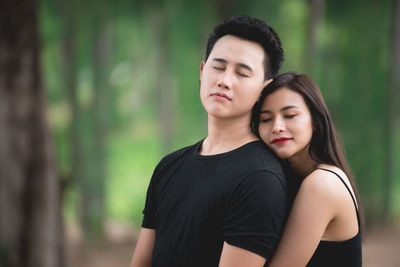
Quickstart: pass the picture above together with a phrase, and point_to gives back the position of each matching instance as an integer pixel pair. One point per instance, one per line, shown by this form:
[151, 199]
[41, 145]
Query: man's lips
[280, 141]
[221, 96]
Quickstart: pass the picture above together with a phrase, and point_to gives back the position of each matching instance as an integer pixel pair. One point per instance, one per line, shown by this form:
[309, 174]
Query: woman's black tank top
[347, 253]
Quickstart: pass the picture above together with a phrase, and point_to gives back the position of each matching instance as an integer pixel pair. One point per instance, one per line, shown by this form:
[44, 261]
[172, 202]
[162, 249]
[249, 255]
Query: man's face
[232, 77]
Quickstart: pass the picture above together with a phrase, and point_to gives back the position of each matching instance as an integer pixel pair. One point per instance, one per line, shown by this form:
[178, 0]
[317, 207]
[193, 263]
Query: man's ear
[202, 67]
[267, 82]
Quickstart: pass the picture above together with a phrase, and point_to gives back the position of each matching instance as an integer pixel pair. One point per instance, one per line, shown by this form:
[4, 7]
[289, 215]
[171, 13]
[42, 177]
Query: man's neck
[225, 135]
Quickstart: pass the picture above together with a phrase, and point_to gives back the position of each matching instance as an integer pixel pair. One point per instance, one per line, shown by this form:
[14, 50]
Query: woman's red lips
[281, 140]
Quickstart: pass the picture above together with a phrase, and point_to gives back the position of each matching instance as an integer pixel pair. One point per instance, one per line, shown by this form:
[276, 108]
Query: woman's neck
[302, 163]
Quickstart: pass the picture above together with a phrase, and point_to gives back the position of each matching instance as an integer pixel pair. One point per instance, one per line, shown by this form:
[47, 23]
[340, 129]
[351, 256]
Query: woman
[324, 225]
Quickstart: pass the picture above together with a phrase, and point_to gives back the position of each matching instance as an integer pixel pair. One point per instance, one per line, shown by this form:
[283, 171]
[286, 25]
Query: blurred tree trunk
[70, 73]
[315, 15]
[88, 123]
[69, 55]
[93, 185]
[30, 212]
[393, 115]
[164, 92]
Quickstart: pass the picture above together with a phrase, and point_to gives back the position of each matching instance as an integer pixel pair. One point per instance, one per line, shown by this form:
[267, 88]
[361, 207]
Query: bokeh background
[119, 84]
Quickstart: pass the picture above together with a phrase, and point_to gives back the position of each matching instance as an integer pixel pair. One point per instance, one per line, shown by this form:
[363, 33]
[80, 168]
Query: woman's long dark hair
[324, 146]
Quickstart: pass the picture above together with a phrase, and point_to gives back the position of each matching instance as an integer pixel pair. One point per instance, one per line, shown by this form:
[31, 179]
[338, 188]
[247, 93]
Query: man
[222, 201]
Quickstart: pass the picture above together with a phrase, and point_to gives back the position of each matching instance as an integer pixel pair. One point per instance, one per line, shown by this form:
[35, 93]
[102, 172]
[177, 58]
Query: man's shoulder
[168, 160]
[262, 158]
[177, 153]
[255, 161]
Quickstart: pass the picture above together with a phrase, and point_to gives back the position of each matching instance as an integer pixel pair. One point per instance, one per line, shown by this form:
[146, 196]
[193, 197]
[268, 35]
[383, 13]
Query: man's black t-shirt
[195, 203]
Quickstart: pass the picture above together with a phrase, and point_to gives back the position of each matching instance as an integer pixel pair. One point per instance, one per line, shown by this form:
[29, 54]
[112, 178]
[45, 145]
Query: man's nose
[225, 80]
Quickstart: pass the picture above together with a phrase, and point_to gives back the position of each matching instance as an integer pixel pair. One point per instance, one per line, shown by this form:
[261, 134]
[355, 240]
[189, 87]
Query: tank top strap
[348, 189]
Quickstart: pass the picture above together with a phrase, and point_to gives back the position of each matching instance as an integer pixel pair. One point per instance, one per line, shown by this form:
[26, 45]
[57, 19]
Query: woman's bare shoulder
[325, 184]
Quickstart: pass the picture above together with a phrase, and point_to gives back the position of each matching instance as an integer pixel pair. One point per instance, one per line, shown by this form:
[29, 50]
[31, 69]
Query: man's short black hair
[251, 29]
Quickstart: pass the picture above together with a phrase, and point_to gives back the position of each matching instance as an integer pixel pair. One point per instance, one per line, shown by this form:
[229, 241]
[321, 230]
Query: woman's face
[286, 123]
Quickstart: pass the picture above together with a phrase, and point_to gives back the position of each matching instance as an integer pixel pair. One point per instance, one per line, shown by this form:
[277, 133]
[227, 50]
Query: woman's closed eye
[291, 116]
[265, 119]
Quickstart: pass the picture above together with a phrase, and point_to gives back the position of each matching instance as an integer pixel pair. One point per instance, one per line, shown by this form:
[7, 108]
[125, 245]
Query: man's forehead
[238, 50]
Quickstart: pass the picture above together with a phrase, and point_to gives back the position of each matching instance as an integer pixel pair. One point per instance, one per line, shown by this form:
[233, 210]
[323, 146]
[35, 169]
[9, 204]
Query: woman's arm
[314, 207]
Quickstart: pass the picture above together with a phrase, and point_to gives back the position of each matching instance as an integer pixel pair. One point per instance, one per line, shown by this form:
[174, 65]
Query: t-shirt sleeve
[149, 211]
[256, 214]
[149, 219]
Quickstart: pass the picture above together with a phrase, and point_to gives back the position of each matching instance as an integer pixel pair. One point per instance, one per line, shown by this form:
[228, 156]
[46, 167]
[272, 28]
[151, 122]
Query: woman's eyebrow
[288, 107]
[282, 109]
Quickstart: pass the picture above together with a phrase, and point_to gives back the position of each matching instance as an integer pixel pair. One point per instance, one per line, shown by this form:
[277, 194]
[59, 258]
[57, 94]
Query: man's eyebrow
[282, 109]
[220, 60]
[242, 65]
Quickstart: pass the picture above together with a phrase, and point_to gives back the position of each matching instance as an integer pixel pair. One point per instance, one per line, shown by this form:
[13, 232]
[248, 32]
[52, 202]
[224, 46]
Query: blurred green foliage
[351, 64]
